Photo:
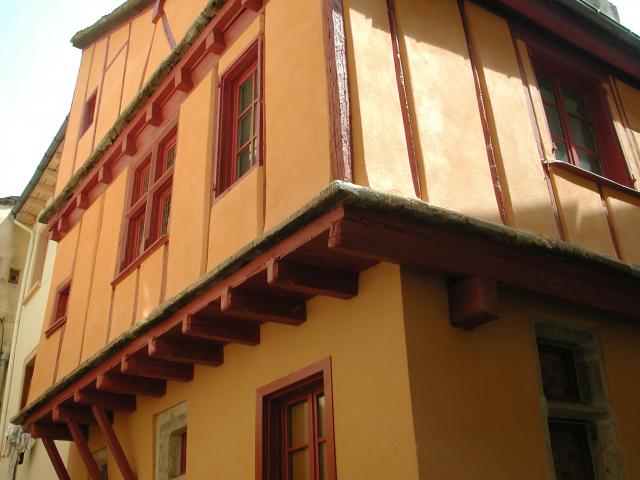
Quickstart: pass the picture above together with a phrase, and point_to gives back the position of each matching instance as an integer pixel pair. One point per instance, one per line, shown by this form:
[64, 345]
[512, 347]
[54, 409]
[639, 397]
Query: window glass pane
[558, 373]
[145, 181]
[589, 162]
[166, 208]
[571, 451]
[244, 161]
[299, 464]
[574, 100]
[297, 424]
[139, 234]
[582, 133]
[171, 157]
[553, 119]
[244, 128]
[246, 93]
[322, 460]
[546, 87]
[561, 151]
[320, 407]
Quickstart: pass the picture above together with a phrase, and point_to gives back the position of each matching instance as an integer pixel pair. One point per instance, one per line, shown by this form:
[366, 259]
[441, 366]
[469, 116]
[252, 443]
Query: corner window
[582, 433]
[171, 443]
[240, 117]
[578, 118]
[60, 307]
[88, 113]
[296, 426]
[147, 218]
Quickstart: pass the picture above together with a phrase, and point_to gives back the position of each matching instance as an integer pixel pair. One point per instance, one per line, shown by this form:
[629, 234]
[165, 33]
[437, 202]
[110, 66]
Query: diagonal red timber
[83, 449]
[112, 442]
[56, 460]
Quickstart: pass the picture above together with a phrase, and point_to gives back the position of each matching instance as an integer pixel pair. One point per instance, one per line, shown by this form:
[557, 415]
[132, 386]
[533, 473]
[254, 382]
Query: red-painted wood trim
[142, 366]
[53, 431]
[112, 442]
[56, 460]
[404, 102]
[66, 413]
[124, 73]
[335, 46]
[146, 60]
[164, 240]
[473, 301]
[56, 323]
[186, 351]
[263, 308]
[158, 10]
[312, 280]
[117, 54]
[538, 136]
[612, 230]
[167, 31]
[320, 370]
[106, 400]
[484, 118]
[129, 385]
[568, 26]
[83, 449]
[221, 330]
[594, 177]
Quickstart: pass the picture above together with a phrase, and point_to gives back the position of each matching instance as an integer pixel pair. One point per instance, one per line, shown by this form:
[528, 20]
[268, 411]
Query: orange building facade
[359, 239]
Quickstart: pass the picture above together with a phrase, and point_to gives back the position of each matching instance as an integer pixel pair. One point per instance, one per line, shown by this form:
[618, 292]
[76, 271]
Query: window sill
[217, 198]
[55, 326]
[34, 288]
[594, 177]
[124, 273]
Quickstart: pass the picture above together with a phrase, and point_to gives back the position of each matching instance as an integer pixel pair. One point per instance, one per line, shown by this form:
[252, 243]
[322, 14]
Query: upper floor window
[240, 118]
[88, 113]
[147, 218]
[60, 307]
[578, 118]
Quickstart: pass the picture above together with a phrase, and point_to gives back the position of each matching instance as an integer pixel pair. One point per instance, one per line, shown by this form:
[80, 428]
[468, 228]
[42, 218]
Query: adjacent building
[357, 239]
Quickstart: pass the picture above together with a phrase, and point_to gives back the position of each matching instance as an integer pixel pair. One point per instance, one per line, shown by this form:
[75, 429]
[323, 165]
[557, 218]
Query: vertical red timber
[404, 102]
[338, 85]
[493, 167]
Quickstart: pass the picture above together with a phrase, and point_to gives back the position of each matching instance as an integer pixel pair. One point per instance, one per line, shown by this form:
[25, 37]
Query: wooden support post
[263, 308]
[142, 366]
[185, 351]
[312, 280]
[126, 384]
[83, 449]
[473, 302]
[56, 460]
[221, 330]
[112, 442]
[107, 400]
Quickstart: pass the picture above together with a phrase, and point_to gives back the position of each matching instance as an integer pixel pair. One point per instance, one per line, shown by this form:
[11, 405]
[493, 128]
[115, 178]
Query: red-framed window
[60, 307]
[88, 113]
[240, 134]
[578, 118]
[147, 217]
[26, 381]
[295, 425]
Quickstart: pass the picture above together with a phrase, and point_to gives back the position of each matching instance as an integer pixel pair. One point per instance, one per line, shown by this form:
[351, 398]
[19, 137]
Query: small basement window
[171, 443]
[14, 275]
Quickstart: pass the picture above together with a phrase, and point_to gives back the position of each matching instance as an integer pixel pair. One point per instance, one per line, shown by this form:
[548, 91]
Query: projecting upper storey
[197, 128]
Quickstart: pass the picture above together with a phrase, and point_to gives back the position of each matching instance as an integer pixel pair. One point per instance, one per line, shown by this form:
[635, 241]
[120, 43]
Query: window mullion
[564, 121]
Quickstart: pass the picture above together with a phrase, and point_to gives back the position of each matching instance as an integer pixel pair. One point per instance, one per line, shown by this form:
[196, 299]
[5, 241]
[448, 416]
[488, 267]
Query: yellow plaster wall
[190, 205]
[123, 304]
[582, 213]
[624, 211]
[81, 284]
[221, 401]
[181, 14]
[380, 156]
[110, 100]
[105, 267]
[117, 43]
[158, 51]
[447, 121]
[523, 184]
[45, 364]
[139, 41]
[236, 217]
[150, 283]
[630, 100]
[67, 161]
[296, 107]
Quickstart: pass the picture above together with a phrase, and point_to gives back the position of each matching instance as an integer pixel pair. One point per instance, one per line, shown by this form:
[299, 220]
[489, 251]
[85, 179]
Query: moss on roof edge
[132, 109]
[335, 194]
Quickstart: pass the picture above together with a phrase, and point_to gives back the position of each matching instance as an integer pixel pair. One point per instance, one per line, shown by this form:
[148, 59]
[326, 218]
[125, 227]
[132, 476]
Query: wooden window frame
[249, 62]
[569, 69]
[143, 218]
[57, 320]
[89, 112]
[272, 399]
[14, 276]
[27, 376]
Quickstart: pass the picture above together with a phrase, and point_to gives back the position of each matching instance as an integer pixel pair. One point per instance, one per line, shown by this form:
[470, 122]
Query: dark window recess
[558, 368]
[14, 275]
[571, 450]
[61, 304]
[26, 382]
[182, 466]
[89, 113]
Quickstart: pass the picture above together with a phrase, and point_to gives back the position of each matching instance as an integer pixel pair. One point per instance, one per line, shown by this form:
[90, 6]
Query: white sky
[39, 68]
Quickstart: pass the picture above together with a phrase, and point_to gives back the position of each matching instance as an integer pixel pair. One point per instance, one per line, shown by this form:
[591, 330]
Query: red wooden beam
[107, 400]
[142, 366]
[126, 384]
[154, 115]
[214, 42]
[64, 413]
[263, 308]
[104, 175]
[185, 351]
[183, 81]
[56, 460]
[53, 431]
[473, 302]
[221, 330]
[254, 5]
[112, 442]
[312, 280]
[83, 449]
